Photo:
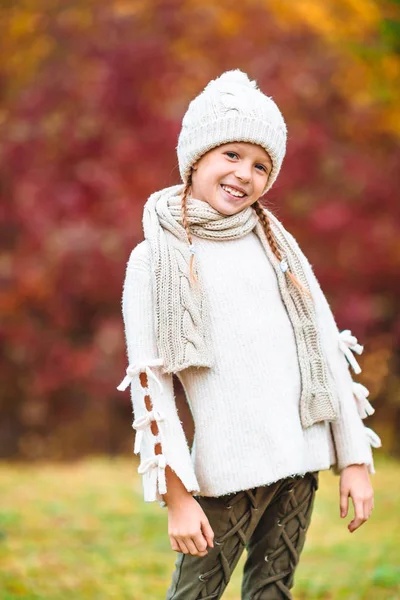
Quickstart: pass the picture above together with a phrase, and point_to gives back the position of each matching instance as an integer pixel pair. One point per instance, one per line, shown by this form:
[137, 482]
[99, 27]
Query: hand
[188, 527]
[355, 482]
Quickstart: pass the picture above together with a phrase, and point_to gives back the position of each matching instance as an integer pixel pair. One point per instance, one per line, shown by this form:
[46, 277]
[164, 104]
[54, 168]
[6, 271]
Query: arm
[168, 474]
[354, 458]
[188, 527]
[160, 439]
[352, 440]
[177, 493]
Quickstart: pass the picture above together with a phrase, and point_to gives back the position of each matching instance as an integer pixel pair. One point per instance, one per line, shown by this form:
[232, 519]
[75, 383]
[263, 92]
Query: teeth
[233, 192]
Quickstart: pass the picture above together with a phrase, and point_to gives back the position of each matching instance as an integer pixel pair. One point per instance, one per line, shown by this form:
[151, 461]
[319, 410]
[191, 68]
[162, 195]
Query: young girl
[220, 293]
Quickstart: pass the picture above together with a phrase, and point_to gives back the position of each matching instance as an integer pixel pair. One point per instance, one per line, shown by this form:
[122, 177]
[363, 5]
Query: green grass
[82, 531]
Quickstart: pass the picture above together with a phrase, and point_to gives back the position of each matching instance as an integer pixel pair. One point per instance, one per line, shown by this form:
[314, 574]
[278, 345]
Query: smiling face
[231, 177]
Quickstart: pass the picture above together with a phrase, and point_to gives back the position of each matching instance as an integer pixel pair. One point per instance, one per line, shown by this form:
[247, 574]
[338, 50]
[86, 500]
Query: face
[231, 177]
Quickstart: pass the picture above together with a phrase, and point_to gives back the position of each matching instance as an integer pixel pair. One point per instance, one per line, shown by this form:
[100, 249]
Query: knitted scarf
[181, 309]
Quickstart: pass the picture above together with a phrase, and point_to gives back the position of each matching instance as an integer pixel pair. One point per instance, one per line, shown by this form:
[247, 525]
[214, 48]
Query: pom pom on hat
[231, 108]
[234, 76]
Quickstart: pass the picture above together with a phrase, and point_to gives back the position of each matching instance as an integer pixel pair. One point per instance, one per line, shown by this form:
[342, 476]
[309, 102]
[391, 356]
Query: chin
[230, 211]
[225, 209]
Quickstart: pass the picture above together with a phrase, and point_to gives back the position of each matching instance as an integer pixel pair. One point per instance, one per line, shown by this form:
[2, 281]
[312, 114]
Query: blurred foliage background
[92, 98]
[92, 95]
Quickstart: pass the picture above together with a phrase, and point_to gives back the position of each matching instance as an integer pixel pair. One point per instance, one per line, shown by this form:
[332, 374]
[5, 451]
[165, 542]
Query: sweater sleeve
[142, 354]
[353, 441]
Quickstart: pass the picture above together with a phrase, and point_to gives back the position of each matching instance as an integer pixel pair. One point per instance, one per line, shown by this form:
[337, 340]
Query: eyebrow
[267, 160]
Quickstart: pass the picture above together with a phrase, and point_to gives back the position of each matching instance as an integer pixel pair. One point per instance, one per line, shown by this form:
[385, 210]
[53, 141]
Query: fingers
[368, 506]
[174, 544]
[200, 544]
[207, 532]
[354, 482]
[191, 546]
[183, 547]
[344, 502]
[362, 512]
[367, 510]
[196, 544]
[358, 515]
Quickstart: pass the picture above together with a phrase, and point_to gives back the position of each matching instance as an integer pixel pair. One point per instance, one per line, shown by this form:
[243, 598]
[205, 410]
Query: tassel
[192, 251]
[374, 439]
[365, 409]
[156, 464]
[142, 423]
[162, 483]
[284, 266]
[348, 343]
[134, 370]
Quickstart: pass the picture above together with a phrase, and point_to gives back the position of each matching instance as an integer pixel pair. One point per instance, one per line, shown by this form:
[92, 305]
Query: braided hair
[185, 195]
[264, 220]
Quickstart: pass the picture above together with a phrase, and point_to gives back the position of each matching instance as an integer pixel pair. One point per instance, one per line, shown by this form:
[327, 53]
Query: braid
[265, 222]
[262, 215]
[185, 194]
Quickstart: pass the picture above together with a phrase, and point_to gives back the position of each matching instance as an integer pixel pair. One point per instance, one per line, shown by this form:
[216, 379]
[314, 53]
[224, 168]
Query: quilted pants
[270, 522]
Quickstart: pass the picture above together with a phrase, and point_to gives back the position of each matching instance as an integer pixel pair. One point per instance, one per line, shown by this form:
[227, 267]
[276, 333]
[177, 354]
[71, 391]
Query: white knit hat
[231, 108]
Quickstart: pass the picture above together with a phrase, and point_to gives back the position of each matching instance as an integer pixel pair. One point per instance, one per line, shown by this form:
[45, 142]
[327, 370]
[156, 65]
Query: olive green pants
[270, 522]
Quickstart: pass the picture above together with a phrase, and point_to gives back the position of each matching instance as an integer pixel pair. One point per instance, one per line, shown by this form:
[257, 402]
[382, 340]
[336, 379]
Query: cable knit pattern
[245, 408]
[318, 400]
[180, 310]
[348, 448]
[182, 314]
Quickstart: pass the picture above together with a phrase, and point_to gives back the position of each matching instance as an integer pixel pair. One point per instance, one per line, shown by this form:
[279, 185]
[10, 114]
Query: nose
[243, 171]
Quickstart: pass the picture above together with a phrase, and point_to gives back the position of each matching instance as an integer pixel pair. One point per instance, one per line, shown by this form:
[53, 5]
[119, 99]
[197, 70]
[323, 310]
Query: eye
[262, 168]
[232, 154]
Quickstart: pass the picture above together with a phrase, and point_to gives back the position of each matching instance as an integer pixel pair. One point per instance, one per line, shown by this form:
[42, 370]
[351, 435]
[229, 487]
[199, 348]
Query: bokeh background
[92, 95]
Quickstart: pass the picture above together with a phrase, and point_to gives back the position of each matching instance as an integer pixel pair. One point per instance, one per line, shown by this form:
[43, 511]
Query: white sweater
[246, 409]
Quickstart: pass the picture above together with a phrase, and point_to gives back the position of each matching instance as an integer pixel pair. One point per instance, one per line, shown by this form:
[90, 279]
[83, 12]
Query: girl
[220, 293]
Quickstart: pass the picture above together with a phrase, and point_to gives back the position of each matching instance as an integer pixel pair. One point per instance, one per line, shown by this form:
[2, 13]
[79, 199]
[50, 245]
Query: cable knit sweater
[245, 409]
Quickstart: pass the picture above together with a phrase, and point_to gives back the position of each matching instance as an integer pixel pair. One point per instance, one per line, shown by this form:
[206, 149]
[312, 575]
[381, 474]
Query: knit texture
[182, 311]
[245, 408]
[232, 108]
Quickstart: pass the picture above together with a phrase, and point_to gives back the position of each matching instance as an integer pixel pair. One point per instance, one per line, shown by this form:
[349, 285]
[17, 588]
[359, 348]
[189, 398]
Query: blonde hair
[185, 195]
[264, 220]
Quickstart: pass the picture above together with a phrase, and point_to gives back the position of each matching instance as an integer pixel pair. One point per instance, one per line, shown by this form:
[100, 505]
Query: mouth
[233, 192]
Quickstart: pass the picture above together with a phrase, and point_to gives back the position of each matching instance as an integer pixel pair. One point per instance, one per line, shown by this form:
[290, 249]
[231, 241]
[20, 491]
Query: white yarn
[373, 438]
[133, 370]
[142, 424]
[348, 344]
[246, 408]
[365, 409]
[232, 108]
[182, 315]
[235, 76]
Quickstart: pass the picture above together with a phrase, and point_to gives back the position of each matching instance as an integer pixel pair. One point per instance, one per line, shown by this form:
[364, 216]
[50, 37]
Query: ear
[194, 167]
